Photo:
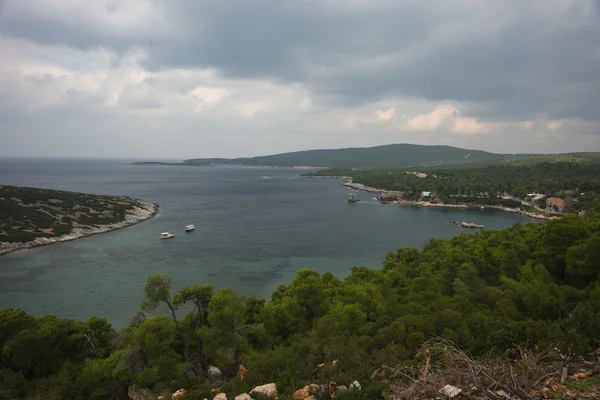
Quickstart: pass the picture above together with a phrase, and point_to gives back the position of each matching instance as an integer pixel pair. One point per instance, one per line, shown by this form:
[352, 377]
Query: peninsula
[32, 217]
[544, 188]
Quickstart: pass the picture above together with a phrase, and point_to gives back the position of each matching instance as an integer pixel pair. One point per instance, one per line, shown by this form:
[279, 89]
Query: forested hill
[388, 156]
[530, 293]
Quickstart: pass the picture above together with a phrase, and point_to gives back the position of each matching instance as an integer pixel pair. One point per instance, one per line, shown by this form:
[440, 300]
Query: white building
[536, 196]
[425, 194]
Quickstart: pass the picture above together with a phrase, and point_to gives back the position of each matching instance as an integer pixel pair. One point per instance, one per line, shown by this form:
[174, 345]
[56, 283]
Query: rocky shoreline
[391, 197]
[133, 217]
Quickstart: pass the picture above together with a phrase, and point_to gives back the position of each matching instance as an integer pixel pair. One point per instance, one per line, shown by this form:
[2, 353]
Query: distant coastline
[164, 163]
[421, 203]
[218, 164]
[133, 217]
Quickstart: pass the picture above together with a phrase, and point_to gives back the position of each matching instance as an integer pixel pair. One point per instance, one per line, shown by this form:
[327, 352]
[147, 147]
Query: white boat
[166, 235]
[189, 228]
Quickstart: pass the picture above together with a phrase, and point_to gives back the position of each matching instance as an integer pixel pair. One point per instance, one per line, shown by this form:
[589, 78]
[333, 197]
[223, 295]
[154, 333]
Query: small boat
[166, 235]
[189, 228]
[352, 198]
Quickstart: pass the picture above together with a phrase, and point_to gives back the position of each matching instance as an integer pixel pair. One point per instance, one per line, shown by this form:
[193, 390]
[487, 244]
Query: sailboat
[352, 198]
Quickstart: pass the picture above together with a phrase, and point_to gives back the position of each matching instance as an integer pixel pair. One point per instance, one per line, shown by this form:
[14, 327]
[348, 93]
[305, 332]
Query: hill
[393, 156]
[31, 216]
[387, 156]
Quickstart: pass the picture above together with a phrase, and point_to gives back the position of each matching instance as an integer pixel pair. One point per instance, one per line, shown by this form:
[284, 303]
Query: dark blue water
[254, 228]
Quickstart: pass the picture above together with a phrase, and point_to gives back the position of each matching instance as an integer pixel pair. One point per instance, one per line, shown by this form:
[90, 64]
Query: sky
[181, 78]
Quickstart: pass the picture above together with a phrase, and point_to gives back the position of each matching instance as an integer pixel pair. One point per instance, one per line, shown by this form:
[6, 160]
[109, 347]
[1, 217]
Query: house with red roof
[555, 204]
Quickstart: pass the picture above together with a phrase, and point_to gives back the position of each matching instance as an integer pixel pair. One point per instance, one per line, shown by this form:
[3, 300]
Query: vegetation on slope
[533, 286]
[576, 182]
[388, 156]
[391, 156]
[30, 213]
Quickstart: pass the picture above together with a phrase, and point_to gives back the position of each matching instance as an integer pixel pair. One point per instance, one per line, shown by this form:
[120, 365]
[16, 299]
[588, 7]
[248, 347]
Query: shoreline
[191, 164]
[363, 188]
[134, 217]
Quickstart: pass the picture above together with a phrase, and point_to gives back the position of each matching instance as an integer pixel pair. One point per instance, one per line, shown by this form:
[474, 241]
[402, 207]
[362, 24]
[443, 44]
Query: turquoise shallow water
[254, 229]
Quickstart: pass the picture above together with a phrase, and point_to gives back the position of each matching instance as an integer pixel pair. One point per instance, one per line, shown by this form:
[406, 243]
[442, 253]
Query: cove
[255, 227]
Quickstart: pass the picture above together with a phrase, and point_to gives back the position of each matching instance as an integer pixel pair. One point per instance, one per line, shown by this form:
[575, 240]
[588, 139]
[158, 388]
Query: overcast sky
[186, 78]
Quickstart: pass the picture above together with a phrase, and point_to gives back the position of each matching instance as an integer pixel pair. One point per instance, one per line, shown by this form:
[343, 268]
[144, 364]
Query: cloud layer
[158, 78]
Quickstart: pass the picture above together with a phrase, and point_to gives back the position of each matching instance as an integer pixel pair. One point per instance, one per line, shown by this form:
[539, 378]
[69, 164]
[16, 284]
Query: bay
[255, 227]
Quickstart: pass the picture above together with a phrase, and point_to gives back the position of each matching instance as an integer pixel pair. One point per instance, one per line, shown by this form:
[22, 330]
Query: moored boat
[189, 228]
[166, 235]
[352, 198]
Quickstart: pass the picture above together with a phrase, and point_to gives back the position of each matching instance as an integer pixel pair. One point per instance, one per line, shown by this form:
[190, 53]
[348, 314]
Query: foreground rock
[269, 390]
[306, 392]
[243, 396]
[178, 394]
[220, 396]
[214, 372]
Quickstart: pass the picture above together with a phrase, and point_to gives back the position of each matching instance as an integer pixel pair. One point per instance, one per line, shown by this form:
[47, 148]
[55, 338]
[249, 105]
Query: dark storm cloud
[508, 59]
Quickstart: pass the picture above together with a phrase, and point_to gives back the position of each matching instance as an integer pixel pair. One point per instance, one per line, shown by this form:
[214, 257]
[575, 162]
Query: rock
[306, 392]
[355, 385]
[450, 391]
[301, 394]
[311, 398]
[241, 372]
[341, 388]
[139, 394]
[390, 197]
[214, 372]
[216, 390]
[243, 396]
[269, 390]
[178, 394]
[220, 396]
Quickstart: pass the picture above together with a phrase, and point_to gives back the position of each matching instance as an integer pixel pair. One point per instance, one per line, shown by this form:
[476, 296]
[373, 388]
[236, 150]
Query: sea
[255, 227]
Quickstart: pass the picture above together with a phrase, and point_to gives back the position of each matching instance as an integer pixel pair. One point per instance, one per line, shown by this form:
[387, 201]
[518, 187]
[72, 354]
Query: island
[32, 217]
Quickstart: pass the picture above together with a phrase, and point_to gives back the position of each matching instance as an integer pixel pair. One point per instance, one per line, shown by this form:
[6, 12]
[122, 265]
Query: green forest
[535, 286]
[575, 181]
